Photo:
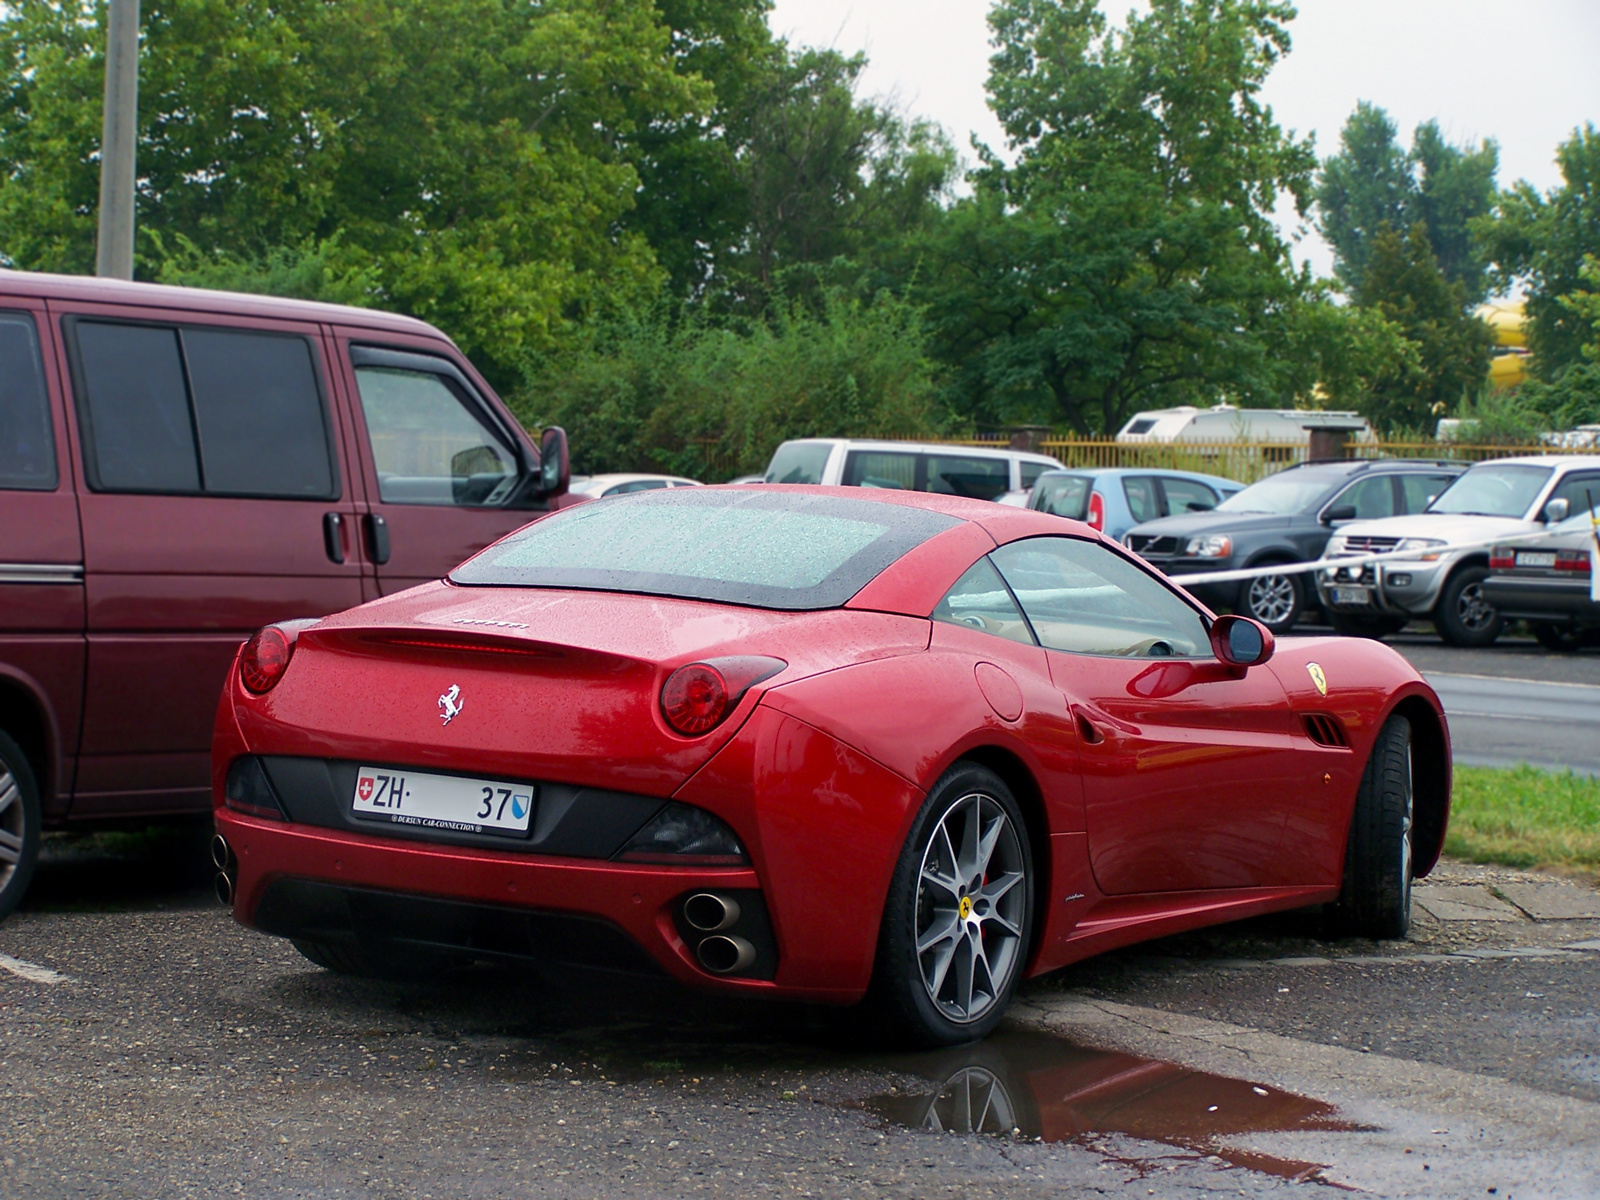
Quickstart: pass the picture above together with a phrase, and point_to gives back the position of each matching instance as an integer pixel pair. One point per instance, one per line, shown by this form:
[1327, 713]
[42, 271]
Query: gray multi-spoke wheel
[1376, 897]
[1464, 616]
[958, 918]
[973, 1100]
[1274, 600]
[19, 825]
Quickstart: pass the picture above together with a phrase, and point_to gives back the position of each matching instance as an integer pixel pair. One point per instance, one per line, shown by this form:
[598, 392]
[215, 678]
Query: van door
[445, 467]
[214, 501]
[41, 559]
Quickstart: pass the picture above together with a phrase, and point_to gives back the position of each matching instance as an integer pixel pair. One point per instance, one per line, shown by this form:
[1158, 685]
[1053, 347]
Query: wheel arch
[25, 719]
[1015, 774]
[1430, 774]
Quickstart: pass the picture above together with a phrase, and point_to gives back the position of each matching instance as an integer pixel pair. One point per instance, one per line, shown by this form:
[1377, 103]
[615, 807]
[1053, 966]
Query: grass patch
[1524, 817]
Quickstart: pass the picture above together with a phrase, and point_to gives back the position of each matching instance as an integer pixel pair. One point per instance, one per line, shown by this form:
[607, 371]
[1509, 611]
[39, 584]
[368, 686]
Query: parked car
[974, 471]
[1284, 518]
[646, 735]
[1115, 499]
[180, 467]
[1499, 498]
[1550, 583]
[593, 487]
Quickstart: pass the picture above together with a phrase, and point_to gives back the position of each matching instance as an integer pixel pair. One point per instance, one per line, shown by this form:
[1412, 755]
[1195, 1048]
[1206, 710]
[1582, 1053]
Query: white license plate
[1348, 595]
[443, 801]
[1536, 558]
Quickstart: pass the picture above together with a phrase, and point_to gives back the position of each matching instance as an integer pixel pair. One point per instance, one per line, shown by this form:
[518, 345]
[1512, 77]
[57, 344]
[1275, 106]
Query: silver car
[1434, 578]
[1551, 583]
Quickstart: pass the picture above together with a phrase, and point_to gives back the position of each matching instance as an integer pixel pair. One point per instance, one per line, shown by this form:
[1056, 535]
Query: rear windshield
[799, 462]
[1063, 495]
[784, 551]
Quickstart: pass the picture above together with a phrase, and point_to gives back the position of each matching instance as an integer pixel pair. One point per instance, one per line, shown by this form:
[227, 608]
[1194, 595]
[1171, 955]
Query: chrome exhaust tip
[711, 913]
[224, 889]
[722, 955]
[221, 852]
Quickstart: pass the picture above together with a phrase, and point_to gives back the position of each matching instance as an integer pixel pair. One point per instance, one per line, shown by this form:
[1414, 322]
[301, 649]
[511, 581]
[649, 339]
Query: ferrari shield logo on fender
[450, 704]
[1312, 669]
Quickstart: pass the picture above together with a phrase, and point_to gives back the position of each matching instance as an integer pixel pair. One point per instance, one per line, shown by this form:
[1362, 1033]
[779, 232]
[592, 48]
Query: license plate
[443, 801]
[1350, 595]
[1536, 558]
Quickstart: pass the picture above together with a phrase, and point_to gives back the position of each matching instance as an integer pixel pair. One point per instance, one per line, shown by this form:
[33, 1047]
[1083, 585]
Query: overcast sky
[1523, 72]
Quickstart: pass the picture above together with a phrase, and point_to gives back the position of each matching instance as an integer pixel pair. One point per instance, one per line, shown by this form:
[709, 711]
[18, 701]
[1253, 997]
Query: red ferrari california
[816, 743]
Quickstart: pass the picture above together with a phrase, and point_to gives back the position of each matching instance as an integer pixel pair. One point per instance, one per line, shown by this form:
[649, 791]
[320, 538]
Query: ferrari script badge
[450, 704]
[1317, 677]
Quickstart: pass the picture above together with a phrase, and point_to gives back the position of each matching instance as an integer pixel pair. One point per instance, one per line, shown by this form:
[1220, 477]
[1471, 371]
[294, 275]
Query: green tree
[1129, 257]
[1541, 243]
[1404, 284]
[1372, 184]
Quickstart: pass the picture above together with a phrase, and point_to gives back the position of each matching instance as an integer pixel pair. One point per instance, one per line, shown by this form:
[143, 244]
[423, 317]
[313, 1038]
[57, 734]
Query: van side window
[980, 478]
[185, 411]
[1031, 471]
[262, 431]
[27, 442]
[427, 446]
[141, 428]
[881, 469]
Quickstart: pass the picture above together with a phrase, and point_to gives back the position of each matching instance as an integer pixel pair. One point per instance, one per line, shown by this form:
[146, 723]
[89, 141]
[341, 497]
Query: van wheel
[1375, 900]
[19, 825]
[1464, 616]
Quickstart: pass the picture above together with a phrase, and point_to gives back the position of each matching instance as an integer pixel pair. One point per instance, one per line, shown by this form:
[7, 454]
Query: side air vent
[1325, 730]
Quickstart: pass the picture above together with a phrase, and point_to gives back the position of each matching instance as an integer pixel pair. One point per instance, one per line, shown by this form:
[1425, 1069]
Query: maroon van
[179, 467]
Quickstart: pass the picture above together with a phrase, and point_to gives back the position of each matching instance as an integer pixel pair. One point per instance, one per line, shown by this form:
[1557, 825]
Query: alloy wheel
[971, 907]
[13, 824]
[1271, 599]
[972, 1100]
[1474, 611]
[1405, 835]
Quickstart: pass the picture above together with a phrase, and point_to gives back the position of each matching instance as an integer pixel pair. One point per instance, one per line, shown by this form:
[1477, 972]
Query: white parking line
[32, 972]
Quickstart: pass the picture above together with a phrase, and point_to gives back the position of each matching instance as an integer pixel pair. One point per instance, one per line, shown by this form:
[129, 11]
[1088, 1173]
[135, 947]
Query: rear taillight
[1572, 560]
[265, 658]
[1502, 558]
[696, 697]
[1097, 511]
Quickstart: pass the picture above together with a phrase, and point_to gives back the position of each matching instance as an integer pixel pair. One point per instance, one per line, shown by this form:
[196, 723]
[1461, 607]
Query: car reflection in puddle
[1037, 1086]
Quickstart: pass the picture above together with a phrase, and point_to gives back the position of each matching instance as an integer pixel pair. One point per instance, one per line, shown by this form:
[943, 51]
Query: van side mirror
[555, 466]
[1341, 512]
[1556, 511]
[1241, 642]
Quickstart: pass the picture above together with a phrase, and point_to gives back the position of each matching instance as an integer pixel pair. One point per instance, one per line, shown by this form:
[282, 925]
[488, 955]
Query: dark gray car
[1285, 518]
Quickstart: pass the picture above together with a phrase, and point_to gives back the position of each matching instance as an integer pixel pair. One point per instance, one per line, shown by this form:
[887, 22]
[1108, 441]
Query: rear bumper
[1561, 601]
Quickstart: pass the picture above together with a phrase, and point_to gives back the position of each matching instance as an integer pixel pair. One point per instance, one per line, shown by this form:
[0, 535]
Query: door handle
[333, 536]
[377, 538]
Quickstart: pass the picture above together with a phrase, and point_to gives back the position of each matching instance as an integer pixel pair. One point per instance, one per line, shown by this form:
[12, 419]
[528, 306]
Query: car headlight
[1412, 545]
[1336, 547]
[1211, 546]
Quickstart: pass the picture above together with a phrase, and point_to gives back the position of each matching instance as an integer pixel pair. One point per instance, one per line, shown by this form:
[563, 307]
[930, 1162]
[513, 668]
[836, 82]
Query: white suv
[908, 466]
[1500, 498]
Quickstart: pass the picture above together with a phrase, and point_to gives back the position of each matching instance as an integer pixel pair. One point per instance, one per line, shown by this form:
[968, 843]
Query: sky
[1522, 72]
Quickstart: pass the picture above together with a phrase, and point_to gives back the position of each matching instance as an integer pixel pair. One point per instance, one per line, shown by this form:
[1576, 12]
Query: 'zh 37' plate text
[443, 801]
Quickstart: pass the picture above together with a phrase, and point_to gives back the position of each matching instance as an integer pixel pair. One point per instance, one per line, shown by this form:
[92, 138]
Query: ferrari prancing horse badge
[1317, 677]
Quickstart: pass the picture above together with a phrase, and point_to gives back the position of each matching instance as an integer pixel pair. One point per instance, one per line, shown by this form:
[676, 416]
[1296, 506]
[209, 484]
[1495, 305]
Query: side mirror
[555, 466]
[1342, 512]
[1556, 511]
[1241, 642]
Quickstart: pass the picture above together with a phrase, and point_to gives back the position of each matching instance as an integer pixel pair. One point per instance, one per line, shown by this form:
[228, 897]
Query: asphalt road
[153, 1048]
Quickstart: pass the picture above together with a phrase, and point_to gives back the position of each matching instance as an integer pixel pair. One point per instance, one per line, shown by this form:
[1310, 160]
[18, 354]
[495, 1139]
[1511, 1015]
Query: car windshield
[1492, 490]
[764, 549]
[1063, 495]
[1285, 494]
[798, 462]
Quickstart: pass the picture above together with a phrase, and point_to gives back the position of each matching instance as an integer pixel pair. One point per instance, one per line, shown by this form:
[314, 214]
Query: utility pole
[114, 252]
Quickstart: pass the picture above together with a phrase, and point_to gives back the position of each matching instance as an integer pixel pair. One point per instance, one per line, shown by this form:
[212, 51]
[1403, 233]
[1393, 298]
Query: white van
[909, 466]
[1225, 423]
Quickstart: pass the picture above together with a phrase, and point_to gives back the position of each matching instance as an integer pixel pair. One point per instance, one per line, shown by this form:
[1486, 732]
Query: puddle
[1037, 1086]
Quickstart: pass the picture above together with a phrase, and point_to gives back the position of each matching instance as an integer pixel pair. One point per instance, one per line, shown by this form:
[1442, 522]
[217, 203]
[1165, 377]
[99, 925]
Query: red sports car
[815, 743]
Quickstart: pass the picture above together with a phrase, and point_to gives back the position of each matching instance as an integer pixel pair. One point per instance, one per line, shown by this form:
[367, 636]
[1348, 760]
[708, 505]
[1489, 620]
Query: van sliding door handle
[333, 536]
[377, 538]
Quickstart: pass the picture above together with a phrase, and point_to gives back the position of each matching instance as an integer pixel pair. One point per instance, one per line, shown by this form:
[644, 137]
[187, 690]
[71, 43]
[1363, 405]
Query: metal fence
[1243, 461]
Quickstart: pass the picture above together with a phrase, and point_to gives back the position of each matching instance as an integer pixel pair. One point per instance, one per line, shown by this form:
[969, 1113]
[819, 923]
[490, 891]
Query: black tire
[1376, 899]
[1275, 600]
[362, 962]
[1464, 616]
[1561, 639]
[1349, 625]
[982, 933]
[20, 816]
